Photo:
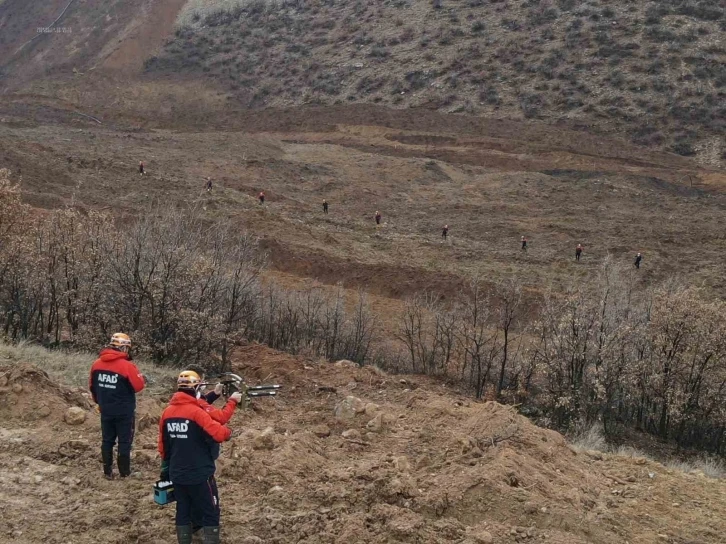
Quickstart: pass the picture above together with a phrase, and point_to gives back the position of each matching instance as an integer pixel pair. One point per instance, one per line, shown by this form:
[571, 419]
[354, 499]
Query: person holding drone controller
[207, 399]
[189, 441]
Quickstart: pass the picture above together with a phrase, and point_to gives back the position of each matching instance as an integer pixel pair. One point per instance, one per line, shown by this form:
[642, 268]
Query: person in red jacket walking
[114, 381]
[189, 445]
[142, 170]
[261, 198]
[378, 218]
[578, 252]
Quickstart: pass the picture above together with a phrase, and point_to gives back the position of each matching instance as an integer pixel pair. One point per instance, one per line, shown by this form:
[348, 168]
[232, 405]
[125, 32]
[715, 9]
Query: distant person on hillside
[638, 258]
[261, 197]
[325, 207]
[141, 168]
[114, 381]
[209, 185]
[445, 232]
[578, 252]
[524, 243]
[378, 218]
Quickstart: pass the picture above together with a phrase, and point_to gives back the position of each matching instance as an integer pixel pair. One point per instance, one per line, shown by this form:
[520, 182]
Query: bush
[683, 148]
[478, 27]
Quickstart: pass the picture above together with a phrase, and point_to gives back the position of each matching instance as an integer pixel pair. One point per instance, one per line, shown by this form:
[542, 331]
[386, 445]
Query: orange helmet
[188, 379]
[120, 340]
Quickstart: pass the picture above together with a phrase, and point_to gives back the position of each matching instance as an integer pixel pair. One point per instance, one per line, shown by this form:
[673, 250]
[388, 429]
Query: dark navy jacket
[114, 382]
[189, 440]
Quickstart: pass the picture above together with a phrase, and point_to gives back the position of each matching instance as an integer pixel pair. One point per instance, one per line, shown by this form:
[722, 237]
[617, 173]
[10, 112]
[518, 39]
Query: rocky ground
[345, 454]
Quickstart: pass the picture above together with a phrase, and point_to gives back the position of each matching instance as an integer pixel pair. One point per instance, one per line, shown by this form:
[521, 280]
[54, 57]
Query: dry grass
[71, 368]
[593, 439]
[710, 466]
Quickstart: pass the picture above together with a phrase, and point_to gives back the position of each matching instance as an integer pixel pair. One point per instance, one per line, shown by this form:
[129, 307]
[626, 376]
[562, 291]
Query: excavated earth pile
[345, 454]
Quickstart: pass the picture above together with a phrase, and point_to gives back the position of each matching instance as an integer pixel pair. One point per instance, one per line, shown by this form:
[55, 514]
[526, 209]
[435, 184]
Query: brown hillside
[56, 38]
[410, 463]
[651, 70]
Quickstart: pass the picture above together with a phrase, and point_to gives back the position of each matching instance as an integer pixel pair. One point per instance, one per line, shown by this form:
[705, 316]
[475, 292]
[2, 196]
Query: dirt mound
[28, 394]
[411, 462]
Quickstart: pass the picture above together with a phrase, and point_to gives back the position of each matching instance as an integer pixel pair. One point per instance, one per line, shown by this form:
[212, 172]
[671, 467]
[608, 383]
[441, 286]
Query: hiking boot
[184, 534]
[107, 457]
[124, 465]
[211, 535]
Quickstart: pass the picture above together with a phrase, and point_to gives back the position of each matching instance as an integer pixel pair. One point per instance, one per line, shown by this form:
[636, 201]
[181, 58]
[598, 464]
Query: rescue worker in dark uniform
[445, 232]
[223, 415]
[114, 382]
[378, 218]
[189, 441]
[638, 258]
[325, 206]
[261, 198]
[524, 243]
[578, 252]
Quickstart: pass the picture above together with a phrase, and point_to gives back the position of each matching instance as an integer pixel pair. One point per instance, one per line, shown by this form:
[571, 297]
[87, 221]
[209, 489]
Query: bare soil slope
[407, 462]
[60, 38]
[490, 181]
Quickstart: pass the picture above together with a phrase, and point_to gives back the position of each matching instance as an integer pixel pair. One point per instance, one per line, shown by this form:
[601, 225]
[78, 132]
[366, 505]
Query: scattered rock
[265, 440]
[349, 407]
[481, 536]
[530, 508]
[345, 363]
[372, 409]
[75, 415]
[376, 424]
[17, 388]
[321, 431]
[43, 411]
[3, 380]
[594, 454]
[402, 463]
[351, 434]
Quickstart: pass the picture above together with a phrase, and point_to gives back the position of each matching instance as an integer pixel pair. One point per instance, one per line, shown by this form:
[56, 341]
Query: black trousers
[117, 427]
[197, 504]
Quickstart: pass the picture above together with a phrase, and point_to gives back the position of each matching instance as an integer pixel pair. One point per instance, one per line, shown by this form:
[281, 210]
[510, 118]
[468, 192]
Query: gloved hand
[218, 389]
[236, 396]
[164, 475]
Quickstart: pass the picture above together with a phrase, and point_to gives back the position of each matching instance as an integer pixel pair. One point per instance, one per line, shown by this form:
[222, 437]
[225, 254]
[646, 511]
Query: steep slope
[56, 38]
[652, 70]
[404, 460]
